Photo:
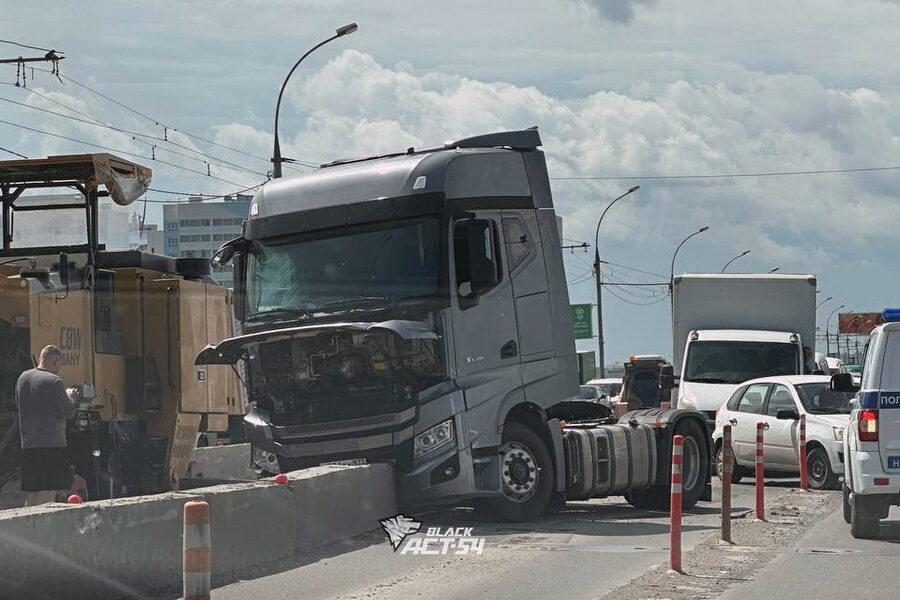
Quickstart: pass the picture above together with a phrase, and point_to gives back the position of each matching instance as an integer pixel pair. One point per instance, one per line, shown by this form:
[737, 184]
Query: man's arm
[64, 404]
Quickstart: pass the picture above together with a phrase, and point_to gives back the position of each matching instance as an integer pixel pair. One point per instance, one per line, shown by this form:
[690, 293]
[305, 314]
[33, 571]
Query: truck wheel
[863, 520]
[818, 470]
[694, 470]
[737, 471]
[845, 492]
[526, 474]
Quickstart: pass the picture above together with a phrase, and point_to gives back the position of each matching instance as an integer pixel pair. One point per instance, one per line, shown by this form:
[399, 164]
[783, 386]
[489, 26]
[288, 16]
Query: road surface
[582, 552]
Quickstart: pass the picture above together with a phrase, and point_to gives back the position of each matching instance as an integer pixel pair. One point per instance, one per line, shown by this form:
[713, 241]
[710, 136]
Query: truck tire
[526, 475]
[819, 472]
[863, 519]
[695, 467]
[737, 471]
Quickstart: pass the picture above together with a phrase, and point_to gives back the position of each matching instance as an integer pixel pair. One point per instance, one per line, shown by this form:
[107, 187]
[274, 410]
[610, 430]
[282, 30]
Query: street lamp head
[634, 189]
[702, 229]
[775, 269]
[347, 29]
[745, 253]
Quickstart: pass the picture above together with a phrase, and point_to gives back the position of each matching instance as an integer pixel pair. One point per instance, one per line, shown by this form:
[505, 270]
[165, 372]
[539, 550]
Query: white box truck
[727, 329]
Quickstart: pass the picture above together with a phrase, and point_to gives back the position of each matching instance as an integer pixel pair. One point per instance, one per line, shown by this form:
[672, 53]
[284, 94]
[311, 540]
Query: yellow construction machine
[129, 324]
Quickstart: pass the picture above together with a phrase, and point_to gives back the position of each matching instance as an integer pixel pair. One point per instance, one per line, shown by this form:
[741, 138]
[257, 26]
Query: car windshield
[304, 274]
[609, 389]
[736, 362]
[817, 398]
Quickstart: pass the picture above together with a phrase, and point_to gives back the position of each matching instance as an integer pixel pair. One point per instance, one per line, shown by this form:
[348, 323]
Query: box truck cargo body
[727, 329]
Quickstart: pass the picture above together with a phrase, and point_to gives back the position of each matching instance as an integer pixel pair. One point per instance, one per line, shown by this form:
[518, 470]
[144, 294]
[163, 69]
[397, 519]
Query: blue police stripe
[889, 400]
[893, 462]
[868, 400]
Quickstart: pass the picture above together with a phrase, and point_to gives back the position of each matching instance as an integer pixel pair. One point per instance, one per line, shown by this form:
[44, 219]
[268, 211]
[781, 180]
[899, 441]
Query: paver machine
[129, 324]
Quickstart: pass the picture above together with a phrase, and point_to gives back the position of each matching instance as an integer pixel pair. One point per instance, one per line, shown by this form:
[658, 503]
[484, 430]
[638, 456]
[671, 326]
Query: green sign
[582, 323]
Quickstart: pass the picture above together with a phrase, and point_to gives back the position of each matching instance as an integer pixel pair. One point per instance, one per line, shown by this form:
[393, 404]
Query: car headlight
[838, 434]
[432, 439]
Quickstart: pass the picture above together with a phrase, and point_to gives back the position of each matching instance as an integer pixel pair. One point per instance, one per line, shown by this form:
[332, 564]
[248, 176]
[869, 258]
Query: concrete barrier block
[335, 503]
[105, 549]
[250, 523]
[222, 462]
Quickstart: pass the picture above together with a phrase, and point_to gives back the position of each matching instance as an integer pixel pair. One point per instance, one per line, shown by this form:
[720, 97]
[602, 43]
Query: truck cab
[412, 308]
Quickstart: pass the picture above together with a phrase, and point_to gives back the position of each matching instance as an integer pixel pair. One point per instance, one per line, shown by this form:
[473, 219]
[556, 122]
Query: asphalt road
[827, 563]
[581, 552]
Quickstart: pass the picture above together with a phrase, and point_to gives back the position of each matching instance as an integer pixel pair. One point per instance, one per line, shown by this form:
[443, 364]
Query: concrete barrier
[222, 462]
[130, 546]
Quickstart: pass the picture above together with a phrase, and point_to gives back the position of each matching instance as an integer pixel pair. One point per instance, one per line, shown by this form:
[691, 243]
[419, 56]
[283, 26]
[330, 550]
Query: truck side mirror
[475, 252]
[666, 377]
[64, 268]
[240, 295]
[842, 382]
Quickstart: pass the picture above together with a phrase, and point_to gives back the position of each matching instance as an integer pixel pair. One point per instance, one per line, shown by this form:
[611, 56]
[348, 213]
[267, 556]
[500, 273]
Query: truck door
[485, 336]
[525, 264]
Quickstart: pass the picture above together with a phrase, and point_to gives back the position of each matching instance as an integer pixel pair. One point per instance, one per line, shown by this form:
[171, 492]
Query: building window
[172, 225]
[194, 223]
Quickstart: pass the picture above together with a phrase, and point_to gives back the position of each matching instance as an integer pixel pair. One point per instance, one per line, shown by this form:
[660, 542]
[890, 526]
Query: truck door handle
[509, 349]
[733, 421]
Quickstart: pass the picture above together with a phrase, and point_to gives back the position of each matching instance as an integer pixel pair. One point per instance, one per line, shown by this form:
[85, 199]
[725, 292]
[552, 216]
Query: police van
[872, 438]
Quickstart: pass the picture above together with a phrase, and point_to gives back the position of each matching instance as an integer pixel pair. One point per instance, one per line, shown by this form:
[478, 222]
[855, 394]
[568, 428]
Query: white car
[872, 444]
[608, 388]
[778, 402]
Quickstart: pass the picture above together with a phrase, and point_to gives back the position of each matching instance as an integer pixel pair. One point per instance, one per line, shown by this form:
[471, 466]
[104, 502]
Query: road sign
[582, 323]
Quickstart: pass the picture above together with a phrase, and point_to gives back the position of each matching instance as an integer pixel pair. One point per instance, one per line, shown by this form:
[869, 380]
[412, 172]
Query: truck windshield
[308, 273]
[817, 398]
[736, 362]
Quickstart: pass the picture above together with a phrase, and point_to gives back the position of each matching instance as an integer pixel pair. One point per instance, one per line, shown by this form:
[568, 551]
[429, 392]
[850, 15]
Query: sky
[632, 92]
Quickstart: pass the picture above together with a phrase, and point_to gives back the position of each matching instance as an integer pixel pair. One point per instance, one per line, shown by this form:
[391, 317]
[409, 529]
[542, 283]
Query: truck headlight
[838, 434]
[432, 439]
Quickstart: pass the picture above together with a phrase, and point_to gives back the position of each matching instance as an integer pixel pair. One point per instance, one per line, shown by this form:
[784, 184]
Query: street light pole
[598, 280]
[819, 305]
[827, 330]
[276, 151]
[744, 253]
[672, 269]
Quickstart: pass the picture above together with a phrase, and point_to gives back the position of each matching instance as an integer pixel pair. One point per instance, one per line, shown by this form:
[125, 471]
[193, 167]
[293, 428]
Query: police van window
[518, 244]
[890, 367]
[868, 376]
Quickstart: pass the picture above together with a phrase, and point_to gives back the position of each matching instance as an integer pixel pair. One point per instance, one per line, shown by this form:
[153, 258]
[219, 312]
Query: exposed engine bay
[342, 374]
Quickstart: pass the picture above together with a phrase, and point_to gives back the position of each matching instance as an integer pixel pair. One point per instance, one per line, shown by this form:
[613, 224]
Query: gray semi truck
[413, 308]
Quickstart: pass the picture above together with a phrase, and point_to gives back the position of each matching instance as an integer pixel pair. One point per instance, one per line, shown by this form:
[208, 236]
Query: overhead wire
[13, 152]
[134, 135]
[728, 175]
[119, 151]
[20, 45]
[158, 123]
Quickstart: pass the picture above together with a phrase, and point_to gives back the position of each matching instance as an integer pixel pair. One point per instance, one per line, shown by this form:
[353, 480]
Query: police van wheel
[863, 519]
[526, 475]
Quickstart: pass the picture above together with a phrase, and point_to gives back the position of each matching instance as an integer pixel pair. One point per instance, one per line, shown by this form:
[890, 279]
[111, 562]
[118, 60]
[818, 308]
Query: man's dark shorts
[45, 469]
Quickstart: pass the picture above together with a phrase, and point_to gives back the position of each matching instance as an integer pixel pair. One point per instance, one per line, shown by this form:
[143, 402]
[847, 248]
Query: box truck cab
[728, 329]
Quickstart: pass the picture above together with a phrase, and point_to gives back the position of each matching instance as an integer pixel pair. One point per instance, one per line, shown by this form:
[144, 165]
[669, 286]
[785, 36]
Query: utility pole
[598, 278]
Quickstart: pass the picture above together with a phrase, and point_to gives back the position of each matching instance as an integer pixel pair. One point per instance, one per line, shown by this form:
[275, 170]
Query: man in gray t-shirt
[44, 405]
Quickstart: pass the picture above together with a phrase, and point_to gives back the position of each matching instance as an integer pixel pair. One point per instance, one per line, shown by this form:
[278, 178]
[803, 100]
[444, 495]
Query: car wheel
[863, 519]
[526, 475]
[818, 470]
[737, 472]
[846, 502]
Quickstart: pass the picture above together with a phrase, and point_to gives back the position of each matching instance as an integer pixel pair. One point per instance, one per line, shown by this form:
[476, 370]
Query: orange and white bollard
[804, 479]
[760, 479]
[197, 565]
[675, 505]
[727, 469]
